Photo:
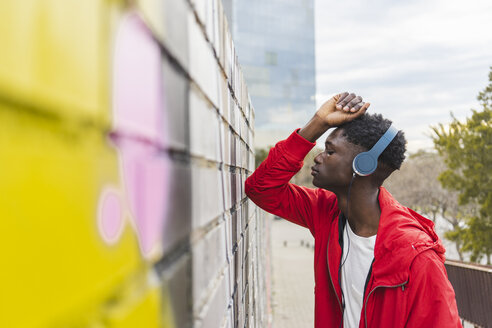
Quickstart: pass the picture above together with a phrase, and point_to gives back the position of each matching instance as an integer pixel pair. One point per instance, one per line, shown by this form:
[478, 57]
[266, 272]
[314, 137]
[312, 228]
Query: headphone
[367, 162]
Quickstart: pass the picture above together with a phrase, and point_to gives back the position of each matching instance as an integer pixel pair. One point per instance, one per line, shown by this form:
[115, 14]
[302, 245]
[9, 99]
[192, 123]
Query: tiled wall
[126, 136]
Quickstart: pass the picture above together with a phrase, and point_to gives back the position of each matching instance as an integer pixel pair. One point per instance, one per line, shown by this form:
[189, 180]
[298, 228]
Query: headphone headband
[384, 141]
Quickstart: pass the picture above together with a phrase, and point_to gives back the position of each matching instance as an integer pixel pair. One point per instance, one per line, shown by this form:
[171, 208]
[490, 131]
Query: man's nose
[317, 159]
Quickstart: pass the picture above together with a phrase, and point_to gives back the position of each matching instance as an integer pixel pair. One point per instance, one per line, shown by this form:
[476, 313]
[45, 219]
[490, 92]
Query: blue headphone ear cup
[364, 164]
[367, 162]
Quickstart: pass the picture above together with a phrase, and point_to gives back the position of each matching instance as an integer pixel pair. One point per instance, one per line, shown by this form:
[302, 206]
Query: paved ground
[293, 276]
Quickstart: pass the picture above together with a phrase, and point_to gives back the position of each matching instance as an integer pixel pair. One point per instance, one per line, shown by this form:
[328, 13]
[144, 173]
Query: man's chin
[317, 184]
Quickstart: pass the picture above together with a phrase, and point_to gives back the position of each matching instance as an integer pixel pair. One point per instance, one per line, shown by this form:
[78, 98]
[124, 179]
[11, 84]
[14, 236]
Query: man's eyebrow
[329, 143]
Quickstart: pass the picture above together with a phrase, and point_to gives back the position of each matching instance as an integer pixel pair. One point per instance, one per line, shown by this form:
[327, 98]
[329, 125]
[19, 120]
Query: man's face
[332, 168]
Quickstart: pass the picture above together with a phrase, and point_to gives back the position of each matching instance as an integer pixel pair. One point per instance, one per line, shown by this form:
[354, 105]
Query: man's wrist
[314, 128]
[322, 122]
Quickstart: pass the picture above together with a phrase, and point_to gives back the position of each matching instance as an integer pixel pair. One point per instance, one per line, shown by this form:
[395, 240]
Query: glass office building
[274, 40]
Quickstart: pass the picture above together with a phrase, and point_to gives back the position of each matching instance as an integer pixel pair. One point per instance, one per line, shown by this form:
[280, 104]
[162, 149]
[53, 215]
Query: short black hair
[366, 130]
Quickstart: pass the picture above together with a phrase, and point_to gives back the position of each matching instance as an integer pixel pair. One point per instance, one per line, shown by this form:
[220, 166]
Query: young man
[377, 263]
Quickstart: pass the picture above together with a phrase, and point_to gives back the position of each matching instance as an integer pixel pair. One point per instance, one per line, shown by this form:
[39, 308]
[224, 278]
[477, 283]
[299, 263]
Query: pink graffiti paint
[137, 82]
[139, 130]
[110, 218]
[145, 174]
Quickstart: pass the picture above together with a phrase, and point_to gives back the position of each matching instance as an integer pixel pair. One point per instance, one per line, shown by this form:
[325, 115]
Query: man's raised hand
[341, 109]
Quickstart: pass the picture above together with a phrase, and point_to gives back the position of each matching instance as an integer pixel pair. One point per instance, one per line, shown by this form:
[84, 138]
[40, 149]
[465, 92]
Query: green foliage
[467, 150]
[260, 155]
[455, 235]
[477, 238]
[485, 97]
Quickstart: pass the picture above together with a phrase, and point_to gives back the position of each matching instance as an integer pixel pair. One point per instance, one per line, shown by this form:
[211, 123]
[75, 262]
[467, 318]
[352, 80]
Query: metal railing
[472, 285]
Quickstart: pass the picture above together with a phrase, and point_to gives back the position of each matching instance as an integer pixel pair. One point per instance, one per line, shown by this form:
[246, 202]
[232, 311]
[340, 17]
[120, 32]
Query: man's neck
[363, 211]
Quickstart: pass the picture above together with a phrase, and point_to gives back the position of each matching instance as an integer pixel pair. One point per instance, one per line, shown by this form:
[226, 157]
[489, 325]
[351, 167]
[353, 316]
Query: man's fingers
[350, 103]
[341, 98]
[345, 101]
[356, 107]
[362, 110]
[353, 103]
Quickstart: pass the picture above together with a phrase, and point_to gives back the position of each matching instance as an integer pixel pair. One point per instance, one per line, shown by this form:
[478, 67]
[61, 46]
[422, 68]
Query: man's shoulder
[427, 262]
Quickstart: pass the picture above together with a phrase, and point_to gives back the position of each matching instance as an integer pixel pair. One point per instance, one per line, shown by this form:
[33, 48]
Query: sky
[414, 61]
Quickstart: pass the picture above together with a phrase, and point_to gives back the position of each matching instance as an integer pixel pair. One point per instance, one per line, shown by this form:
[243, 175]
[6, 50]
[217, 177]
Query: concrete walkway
[293, 276]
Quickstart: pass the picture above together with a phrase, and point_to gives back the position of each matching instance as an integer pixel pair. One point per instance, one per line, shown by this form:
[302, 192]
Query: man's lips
[314, 171]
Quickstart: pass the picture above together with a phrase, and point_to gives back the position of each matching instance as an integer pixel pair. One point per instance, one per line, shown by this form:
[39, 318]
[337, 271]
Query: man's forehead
[336, 136]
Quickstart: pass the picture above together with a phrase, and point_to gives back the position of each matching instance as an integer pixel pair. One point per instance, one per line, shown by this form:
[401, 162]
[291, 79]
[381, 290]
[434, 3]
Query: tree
[467, 151]
[260, 155]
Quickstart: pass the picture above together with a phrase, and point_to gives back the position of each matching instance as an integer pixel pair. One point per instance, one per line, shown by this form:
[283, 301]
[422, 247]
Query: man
[377, 263]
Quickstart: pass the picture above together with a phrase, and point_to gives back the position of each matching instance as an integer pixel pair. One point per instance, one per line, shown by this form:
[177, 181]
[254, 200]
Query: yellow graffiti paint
[54, 55]
[55, 92]
[55, 260]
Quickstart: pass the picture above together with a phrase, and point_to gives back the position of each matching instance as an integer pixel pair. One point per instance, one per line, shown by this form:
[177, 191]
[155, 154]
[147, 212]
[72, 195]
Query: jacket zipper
[331, 280]
[367, 298]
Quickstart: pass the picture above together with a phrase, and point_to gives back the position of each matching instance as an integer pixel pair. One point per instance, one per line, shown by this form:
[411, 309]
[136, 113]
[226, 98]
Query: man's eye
[329, 152]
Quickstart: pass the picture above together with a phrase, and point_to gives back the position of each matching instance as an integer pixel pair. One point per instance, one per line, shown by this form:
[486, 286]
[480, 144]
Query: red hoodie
[407, 285]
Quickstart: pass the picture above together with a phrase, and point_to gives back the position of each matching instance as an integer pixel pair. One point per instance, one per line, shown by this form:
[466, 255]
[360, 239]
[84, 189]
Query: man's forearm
[314, 129]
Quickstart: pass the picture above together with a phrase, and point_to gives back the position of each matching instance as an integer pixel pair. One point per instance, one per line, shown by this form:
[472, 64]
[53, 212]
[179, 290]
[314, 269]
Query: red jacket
[407, 285]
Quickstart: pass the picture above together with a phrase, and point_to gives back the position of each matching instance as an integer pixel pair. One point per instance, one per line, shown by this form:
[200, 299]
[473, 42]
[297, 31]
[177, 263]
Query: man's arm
[432, 301]
[269, 185]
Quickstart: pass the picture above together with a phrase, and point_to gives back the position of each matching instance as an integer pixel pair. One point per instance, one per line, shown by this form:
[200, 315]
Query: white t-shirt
[354, 273]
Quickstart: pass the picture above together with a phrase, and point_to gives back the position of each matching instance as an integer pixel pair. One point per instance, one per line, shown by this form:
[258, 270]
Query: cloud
[415, 61]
